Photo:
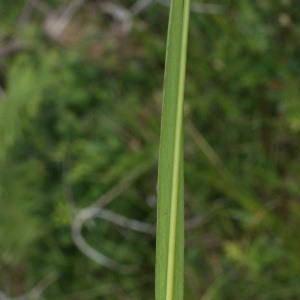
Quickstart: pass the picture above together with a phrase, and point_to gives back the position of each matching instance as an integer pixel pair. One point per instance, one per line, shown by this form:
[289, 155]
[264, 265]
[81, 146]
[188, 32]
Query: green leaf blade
[170, 216]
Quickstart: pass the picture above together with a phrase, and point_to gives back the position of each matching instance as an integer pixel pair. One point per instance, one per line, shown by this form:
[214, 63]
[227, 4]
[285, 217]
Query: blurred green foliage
[79, 117]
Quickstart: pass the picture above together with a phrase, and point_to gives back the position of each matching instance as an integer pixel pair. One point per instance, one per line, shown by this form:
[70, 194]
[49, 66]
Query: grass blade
[170, 215]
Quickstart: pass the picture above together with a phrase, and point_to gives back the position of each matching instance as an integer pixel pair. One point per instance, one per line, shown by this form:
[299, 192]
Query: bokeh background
[80, 105]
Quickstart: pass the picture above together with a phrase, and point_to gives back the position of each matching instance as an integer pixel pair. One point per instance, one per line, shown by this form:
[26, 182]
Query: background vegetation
[80, 116]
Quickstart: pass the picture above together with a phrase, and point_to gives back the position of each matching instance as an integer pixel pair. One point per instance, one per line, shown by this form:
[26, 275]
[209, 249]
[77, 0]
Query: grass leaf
[170, 215]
